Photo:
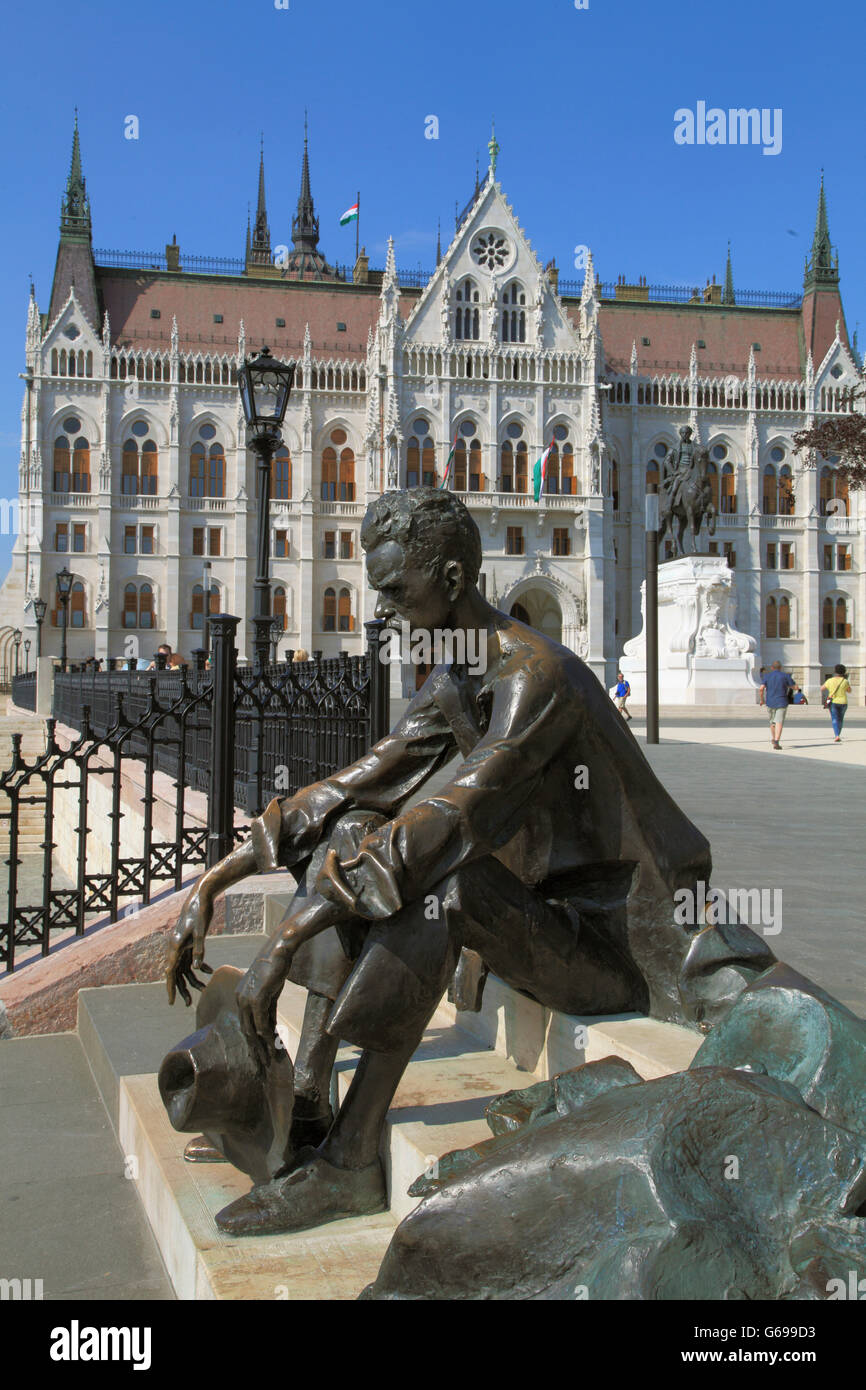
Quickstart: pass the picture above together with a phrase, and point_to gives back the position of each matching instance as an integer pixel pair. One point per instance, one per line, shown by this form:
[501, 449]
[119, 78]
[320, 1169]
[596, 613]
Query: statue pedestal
[703, 659]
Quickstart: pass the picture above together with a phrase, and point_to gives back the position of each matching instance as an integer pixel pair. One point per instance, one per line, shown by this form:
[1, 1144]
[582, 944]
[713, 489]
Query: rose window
[490, 250]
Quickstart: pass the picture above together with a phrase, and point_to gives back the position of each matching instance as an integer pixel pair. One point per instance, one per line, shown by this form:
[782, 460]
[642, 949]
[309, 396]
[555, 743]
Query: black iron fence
[24, 691]
[239, 734]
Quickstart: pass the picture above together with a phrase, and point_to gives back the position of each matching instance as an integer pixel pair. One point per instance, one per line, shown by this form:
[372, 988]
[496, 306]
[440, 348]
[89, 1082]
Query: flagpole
[358, 228]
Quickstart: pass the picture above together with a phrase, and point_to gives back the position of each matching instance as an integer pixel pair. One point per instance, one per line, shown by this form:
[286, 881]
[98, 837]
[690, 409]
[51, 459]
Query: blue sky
[584, 102]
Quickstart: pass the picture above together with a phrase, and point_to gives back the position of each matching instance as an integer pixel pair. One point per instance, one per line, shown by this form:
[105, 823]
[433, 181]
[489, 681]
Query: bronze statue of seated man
[552, 857]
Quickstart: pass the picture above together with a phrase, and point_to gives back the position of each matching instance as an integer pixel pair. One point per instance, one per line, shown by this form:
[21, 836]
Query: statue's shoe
[313, 1193]
[201, 1150]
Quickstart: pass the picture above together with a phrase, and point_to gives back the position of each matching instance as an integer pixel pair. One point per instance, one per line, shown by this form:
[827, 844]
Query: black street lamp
[205, 600]
[652, 613]
[39, 607]
[64, 590]
[26, 656]
[265, 386]
[276, 634]
[16, 638]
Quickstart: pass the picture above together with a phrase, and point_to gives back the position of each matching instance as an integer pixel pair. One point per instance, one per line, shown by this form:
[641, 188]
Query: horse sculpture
[686, 495]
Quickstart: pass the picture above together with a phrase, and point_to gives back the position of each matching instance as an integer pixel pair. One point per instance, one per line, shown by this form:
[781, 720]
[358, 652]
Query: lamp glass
[265, 385]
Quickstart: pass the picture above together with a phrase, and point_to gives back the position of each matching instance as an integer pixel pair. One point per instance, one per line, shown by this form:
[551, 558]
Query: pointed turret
[728, 293]
[822, 267]
[305, 259]
[75, 208]
[259, 248]
[74, 267]
[493, 147]
[439, 243]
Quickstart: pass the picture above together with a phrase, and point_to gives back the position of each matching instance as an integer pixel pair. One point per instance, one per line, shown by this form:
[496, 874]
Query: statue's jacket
[552, 784]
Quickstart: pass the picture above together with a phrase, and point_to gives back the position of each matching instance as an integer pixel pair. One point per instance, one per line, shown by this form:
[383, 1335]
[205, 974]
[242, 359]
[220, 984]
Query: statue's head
[423, 551]
[685, 433]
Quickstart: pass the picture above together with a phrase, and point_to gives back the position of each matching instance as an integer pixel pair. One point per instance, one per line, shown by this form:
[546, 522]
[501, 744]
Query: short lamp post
[39, 607]
[652, 613]
[26, 656]
[16, 638]
[64, 591]
[265, 386]
[276, 634]
[205, 587]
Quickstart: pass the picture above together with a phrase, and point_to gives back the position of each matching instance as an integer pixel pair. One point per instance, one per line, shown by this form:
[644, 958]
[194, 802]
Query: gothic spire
[305, 224]
[822, 267]
[493, 147]
[75, 208]
[439, 242]
[259, 252]
[728, 293]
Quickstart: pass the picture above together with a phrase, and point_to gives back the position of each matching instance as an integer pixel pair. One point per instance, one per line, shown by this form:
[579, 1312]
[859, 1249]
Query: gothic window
[467, 464]
[490, 250]
[467, 321]
[346, 622]
[514, 313]
[207, 465]
[786, 491]
[61, 465]
[81, 466]
[784, 616]
[338, 473]
[138, 606]
[614, 483]
[506, 467]
[652, 473]
[521, 467]
[196, 617]
[729, 490]
[420, 457]
[278, 608]
[835, 621]
[281, 475]
[71, 447]
[329, 611]
[216, 473]
[770, 491]
[568, 485]
[713, 477]
[833, 489]
[771, 622]
[77, 610]
[129, 469]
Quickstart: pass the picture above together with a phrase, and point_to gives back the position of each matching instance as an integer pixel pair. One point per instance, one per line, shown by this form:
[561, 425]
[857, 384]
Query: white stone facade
[533, 373]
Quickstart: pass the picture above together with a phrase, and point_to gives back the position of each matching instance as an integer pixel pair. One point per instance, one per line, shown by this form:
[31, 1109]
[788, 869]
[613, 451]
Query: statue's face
[406, 591]
[685, 433]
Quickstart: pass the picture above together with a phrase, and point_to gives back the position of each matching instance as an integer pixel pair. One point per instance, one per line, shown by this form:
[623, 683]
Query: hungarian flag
[350, 215]
[539, 472]
[445, 480]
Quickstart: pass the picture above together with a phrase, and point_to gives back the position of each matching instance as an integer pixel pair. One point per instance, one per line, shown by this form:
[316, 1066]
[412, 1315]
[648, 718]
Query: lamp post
[276, 634]
[16, 638]
[652, 613]
[26, 656]
[64, 590]
[39, 607]
[205, 584]
[265, 386]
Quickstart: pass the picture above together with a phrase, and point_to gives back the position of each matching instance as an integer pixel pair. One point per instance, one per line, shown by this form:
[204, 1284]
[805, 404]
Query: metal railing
[24, 690]
[684, 294]
[240, 735]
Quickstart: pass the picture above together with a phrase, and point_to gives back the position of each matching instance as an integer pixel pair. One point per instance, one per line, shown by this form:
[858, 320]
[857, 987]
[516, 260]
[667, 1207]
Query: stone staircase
[464, 1060]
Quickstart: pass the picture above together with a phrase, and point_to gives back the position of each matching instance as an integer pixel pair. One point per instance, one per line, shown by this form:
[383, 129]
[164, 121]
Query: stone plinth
[703, 658]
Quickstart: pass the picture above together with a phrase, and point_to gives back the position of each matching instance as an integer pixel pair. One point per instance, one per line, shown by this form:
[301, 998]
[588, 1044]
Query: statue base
[703, 658]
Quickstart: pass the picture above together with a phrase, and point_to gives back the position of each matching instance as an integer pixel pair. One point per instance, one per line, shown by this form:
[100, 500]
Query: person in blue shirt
[774, 694]
[623, 690]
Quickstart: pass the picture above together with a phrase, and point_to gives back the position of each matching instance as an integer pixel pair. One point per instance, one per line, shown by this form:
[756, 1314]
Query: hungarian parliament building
[135, 475]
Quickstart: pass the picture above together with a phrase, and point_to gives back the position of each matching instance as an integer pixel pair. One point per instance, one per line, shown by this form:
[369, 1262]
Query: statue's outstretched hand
[186, 947]
[258, 994]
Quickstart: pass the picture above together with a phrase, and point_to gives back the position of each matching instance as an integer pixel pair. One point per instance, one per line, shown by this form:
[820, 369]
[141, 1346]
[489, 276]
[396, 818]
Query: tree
[844, 435]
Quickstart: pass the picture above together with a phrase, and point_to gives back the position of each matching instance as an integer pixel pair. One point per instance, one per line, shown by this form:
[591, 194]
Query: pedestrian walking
[621, 694]
[835, 691]
[774, 694]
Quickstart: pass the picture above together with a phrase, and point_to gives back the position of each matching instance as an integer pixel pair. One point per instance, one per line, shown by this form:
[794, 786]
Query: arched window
[786, 491]
[506, 467]
[614, 483]
[833, 488]
[347, 475]
[129, 616]
[207, 465]
[420, 457]
[196, 617]
[346, 622]
[567, 480]
[513, 314]
[61, 465]
[713, 479]
[77, 610]
[652, 473]
[770, 491]
[521, 467]
[129, 469]
[467, 320]
[338, 474]
[281, 475]
[278, 608]
[513, 455]
[771, 621]
[81, 466]
[784, 616]
[843, 627]
[329, 475]
[729, 490]
[329, 611]
[148, 478]
[467, 460]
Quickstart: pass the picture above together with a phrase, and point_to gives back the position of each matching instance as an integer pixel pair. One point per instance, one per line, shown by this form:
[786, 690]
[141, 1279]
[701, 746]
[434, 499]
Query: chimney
[172, 255]
[361, 273]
